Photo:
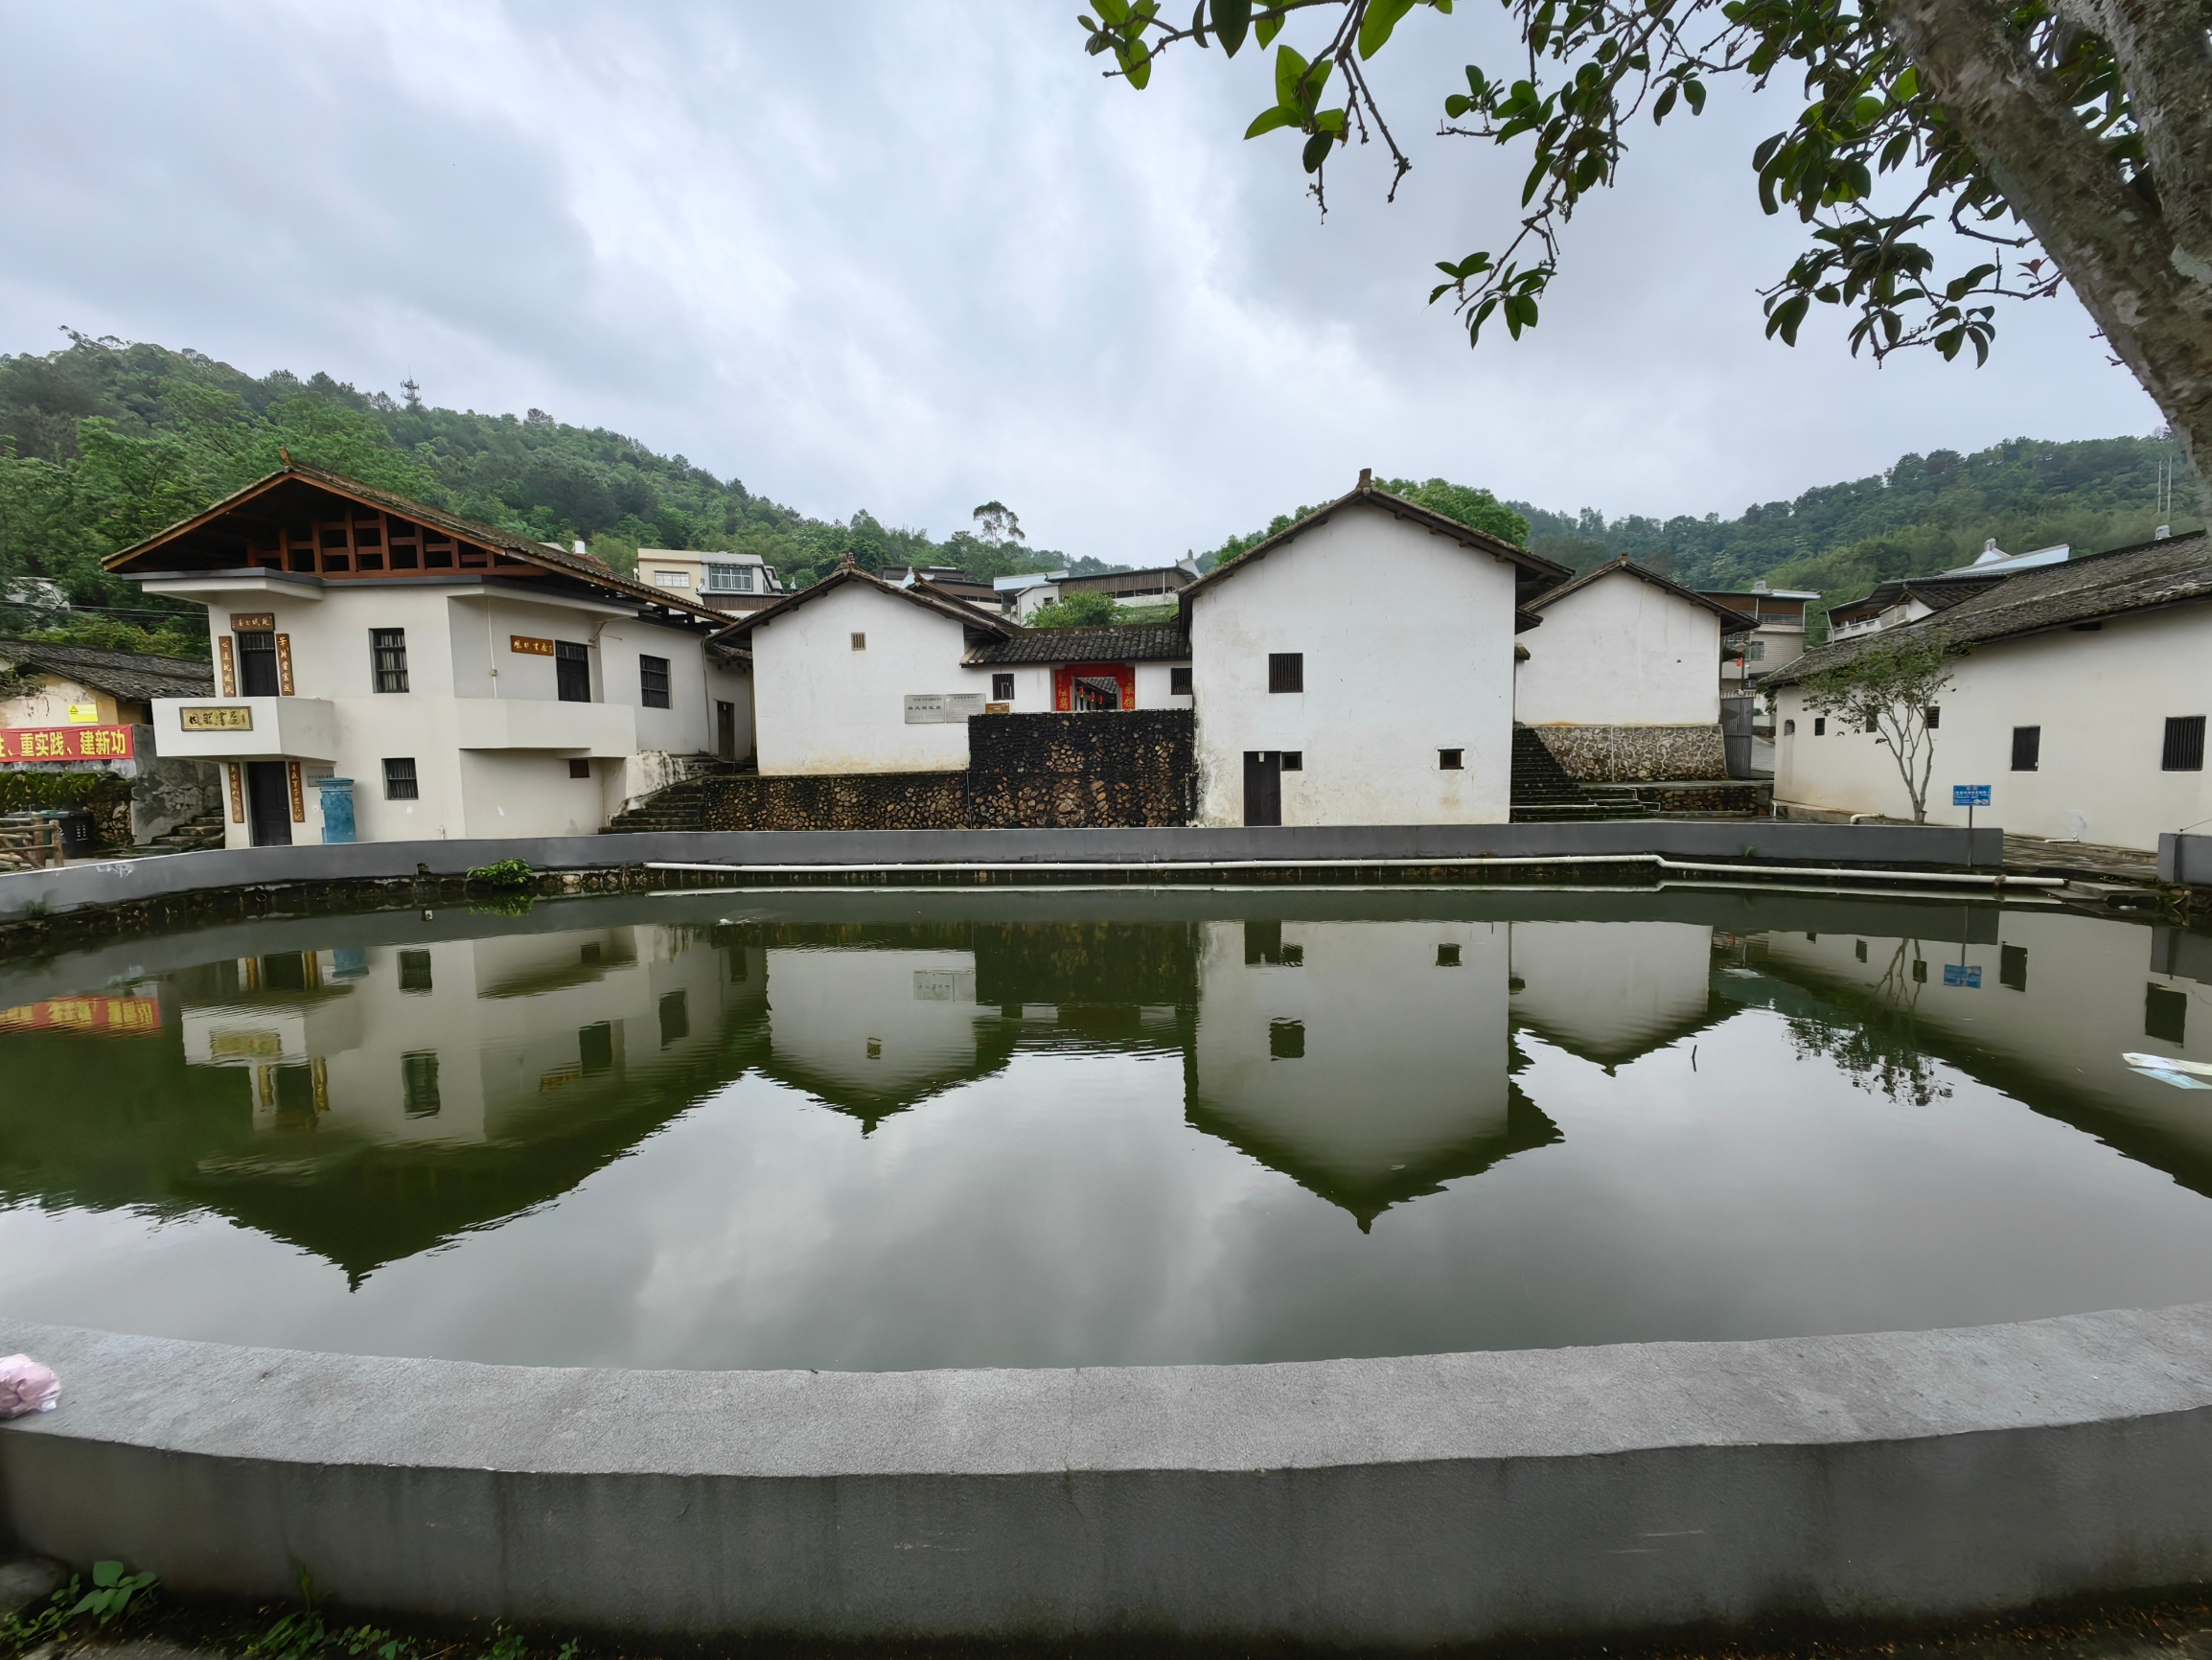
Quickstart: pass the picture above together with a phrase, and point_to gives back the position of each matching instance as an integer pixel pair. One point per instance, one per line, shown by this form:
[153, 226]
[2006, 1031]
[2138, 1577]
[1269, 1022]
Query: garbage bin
[337, 809]
[80, 834]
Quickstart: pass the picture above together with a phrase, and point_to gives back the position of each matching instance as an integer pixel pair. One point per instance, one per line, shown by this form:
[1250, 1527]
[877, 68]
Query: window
[1935, 718]
[400, 781]
[860, 643]
[2165, 1013]
[1179, 682]
[1286, 1040]
[414, 971]
[730, 578]
[595, 1047]
[1447, 956]
[1861, 951]
[675, 1020]
[1452, 760]
[1264, 944]
[1820, 726]
[1920, 970]
[653, 681]
[1286, 671]
[671, 579]
[257, 668]
[419, 1083]
[388, 648]
[1754, 651]
[1789, 728]
[579, 767]
[571, 672]
[2184, 744]
[1001, 688]
[2027, 748]
[1294, 760]
[2013, 966]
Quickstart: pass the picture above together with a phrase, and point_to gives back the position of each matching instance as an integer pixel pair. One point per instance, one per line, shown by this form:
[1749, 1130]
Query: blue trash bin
[337, 809]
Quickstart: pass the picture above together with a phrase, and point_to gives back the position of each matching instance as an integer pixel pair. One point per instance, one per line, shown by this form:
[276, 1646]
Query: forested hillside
[105, 442]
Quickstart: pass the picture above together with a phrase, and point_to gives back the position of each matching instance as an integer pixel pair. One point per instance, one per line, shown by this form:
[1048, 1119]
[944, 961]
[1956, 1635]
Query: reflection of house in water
[1611, 991]
[2041, 1003]
[431, 1088]
[1365, 1060]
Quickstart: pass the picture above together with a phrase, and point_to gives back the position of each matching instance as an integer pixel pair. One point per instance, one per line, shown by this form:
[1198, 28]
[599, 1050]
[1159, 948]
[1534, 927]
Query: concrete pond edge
[1401, 1502]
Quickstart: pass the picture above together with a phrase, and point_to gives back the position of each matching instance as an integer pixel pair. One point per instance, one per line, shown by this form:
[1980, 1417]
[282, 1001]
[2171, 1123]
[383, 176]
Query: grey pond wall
[1414, 1501]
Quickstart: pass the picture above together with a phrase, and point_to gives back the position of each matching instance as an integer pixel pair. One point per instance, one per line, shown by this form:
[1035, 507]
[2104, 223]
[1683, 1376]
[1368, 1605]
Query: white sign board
[933, 708]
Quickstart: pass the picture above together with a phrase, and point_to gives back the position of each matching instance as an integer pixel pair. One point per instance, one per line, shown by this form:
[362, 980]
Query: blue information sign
[1969, 794]
[1959, 974]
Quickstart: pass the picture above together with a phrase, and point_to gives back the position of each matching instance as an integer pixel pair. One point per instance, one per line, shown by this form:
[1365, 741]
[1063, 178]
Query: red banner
[111, 1014]
[65, 744]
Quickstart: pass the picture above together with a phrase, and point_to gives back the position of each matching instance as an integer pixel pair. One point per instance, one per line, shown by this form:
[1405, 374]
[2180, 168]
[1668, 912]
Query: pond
[892, 1129]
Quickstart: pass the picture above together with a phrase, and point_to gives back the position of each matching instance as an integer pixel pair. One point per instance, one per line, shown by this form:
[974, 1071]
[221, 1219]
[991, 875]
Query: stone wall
[1637, 754]
[1025, 772]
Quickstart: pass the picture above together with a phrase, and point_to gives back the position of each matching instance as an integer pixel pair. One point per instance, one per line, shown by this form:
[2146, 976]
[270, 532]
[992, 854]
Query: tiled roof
[134, 675]
[2148, 577]
[1731, 621]
[1143, 643]
[1936, 593]
[927, 595]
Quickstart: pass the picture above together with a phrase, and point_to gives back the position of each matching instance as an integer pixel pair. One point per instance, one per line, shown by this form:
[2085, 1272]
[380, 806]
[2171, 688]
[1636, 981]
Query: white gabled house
[2079, 699]
[1358, 669]
[1623, 683]
[466, 681]
[1086, 671]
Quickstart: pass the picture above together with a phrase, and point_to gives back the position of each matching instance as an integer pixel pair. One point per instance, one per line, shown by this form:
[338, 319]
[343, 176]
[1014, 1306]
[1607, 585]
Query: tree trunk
[2142, 268]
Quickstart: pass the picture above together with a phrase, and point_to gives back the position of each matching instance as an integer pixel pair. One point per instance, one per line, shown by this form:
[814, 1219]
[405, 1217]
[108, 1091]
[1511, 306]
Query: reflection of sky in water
[1556, 1131]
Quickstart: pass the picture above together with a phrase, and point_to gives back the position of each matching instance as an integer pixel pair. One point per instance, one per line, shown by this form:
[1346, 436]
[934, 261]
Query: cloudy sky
[909, 256]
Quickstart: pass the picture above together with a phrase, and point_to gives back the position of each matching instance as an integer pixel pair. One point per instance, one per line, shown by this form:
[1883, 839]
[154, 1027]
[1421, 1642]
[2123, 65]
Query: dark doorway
[257, 668]
[269, 803]
[1263, 786]
[725, 730]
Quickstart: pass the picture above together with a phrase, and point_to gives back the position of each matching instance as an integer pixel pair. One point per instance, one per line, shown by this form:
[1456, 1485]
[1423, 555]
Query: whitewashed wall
[1033, 687]
[1420, 657]
[1610, 988]
[2102, 700]
[1622, 653]
[821, 706]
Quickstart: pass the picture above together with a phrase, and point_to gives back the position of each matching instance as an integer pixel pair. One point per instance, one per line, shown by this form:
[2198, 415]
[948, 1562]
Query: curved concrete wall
[1398, 1502]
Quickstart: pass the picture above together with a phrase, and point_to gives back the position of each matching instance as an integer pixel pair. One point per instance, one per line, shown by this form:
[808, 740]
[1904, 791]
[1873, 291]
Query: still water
[890, 1130]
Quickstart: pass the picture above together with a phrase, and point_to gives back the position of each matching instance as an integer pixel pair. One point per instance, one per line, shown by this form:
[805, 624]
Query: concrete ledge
[35, 894]
[1400, 1502]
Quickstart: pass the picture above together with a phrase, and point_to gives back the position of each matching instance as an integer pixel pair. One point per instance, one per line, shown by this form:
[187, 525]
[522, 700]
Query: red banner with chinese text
[65, 744]
[110, 1014]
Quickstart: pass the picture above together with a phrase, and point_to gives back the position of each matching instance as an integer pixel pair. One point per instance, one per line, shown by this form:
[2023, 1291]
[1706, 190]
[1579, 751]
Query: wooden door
[1263, 786]
[726, 729]
[269, 803]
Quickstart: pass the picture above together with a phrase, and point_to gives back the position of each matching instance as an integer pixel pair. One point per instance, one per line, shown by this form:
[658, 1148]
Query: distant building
[2081, 701]
[1907, 599]
[1776, 636]
[467, 681]
[724, 582]
[1075, 670]
[1023, 596]
[1622, 681]
[945, 579]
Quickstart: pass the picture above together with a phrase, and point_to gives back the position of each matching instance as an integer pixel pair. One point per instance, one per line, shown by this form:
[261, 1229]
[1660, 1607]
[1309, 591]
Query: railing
[36, 843]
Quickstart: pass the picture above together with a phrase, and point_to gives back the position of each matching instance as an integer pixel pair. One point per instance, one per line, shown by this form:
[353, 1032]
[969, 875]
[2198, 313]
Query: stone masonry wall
[1637, 754]
[1025, 772]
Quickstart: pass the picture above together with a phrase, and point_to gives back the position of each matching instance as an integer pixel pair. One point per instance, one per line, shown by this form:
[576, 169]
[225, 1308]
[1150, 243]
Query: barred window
[1179, 682]
[2184, 744]
[730, 578]
[1286, 671]
[419, 1081]
[571, 672]
[389, 649]
[1001, 688]
[2027, 749]
[653, 681]
[400, 781]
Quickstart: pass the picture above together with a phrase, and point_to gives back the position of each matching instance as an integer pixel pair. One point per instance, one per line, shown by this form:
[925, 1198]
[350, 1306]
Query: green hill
[103, 442]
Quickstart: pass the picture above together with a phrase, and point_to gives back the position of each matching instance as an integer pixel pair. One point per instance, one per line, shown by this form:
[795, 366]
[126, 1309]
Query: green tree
[2070, 141]
[1084, 609]
[1887, 688]
[1470, 505]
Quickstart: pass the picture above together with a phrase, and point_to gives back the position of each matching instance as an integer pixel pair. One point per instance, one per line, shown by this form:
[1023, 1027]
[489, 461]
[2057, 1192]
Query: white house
[723, 582]
[466, 681]
[1623, 682]
[2081, 700]
[1358, 669]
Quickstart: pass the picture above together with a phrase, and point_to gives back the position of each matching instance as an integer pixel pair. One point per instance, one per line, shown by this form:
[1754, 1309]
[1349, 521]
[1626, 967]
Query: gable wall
[1622, 653]
[821, 706]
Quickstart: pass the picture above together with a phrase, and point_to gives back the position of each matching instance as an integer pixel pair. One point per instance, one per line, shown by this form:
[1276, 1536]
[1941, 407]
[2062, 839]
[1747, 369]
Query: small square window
[400, 781]
[1447, 956]
[579, 767]
[1286, 1040]
[860, 643]
[1935, 718]
[1820, 726]
[1286, 671]
[1294, 760]
[1178, 682]
[2184, 750]
[1920, 970]
[1001, 688]
[653, 681]
[2013, 966]
[414, 971]
[2027, 749]
[1452, 760]
[1789, 728]
[2165, 1013]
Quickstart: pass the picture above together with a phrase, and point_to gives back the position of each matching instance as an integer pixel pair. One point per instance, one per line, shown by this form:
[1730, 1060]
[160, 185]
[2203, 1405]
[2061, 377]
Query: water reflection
[940, 1129]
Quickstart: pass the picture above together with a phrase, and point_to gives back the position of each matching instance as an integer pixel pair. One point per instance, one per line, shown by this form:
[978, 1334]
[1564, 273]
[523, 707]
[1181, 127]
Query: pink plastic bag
[26, 1385]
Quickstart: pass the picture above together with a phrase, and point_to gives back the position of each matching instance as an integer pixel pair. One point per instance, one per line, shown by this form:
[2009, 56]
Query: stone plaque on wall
[930, 708]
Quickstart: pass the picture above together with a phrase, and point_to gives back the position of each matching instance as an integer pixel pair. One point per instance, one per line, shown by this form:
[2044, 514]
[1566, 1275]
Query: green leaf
[1266, 30]
[1114, 10]
[1694, 92]
[1375, 29]
[1268, 120]
[1232, 19]
[1457, 106]
[1289, 69]
[1316, 149]
[1659, 109]
[106, 1574]
[1136, 63]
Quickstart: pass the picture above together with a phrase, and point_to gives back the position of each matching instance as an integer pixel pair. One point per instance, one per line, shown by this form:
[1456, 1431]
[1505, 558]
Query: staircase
[1544, 794]
[681, 806]
[190, 836]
